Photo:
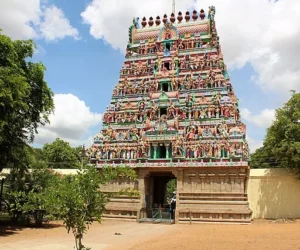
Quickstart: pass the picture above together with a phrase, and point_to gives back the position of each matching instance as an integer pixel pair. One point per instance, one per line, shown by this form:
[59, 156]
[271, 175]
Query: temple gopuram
[174, 115]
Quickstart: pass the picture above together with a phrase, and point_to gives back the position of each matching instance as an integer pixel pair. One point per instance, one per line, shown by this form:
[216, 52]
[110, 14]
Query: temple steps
[216, 221]
[214, 202]
[216, 198]
[241, 216]
[213, 207]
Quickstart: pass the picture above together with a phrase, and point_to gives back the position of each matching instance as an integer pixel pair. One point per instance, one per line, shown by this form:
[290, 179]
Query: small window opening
[162, 152]
[165, 87]
[168, 46]
[163, 111]
[167, 65]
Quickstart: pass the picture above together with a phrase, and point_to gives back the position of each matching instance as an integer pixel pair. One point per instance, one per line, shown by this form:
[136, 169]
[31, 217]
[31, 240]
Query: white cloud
[30, 19]
[254, 144]
[264, 33]
[71, 121]
[262, 120]
[56, 26]
[110, 20]
[17, 18]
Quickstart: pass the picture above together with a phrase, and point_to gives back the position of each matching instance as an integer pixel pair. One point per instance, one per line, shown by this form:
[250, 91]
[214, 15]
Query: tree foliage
[27, 194]
[171, 188]
[263, 158]
[59, 154]
[25, 99]
[78, 201]
[282, 142]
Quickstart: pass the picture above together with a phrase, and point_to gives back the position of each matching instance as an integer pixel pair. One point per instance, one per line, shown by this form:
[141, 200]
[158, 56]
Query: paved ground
[134, 236]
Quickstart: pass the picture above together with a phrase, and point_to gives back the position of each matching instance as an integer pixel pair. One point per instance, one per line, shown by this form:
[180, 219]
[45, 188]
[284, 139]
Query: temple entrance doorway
[160, 195]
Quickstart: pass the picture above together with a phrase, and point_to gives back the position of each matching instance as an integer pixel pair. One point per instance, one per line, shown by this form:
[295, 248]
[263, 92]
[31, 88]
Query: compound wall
[274, 194]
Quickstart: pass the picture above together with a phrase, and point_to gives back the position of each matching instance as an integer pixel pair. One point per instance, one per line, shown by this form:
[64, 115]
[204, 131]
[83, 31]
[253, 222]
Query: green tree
[282, 142]
[27, 193]
[78, 201]
[25, 99]
[59, 154]
[263, 158]
[171, 188]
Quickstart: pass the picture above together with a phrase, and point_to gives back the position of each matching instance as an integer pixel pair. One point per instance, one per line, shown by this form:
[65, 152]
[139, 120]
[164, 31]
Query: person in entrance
[173, 205]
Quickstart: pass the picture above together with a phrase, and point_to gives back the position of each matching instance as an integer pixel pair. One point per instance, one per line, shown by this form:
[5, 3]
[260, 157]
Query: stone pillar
[202, 178]
[155, 151]
[149, 151]
[180, 188]
[180, 180]
[141, 188]
[232, 182]
[222, 182]
[167, 151]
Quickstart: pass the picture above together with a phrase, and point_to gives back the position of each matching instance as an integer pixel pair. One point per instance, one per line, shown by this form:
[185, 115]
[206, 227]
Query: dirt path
[260, 235]
[134, 236]
[99, 236]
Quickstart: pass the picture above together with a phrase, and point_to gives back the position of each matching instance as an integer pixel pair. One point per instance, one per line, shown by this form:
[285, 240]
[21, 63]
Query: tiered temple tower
[174, 114]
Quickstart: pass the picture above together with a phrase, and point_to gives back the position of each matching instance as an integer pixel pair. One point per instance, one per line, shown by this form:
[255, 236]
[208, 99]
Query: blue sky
[82, 42]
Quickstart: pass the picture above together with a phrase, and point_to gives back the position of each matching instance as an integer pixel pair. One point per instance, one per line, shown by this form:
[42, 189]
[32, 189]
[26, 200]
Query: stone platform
[214, 194]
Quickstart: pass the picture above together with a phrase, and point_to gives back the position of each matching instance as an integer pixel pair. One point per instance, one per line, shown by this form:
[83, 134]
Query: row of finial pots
[173, 19]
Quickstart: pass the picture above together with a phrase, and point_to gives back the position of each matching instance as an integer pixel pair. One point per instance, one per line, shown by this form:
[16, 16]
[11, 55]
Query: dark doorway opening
[163, 111]
[160, 190]
[165, 87]
[162, 152]
[161, 193]
[168, 47]
[167, 65]
[160, 196]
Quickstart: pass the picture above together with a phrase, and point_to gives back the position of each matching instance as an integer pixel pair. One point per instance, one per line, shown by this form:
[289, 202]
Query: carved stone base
[204, 195]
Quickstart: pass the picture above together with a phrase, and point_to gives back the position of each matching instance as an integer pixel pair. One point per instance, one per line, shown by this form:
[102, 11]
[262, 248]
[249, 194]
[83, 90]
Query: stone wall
[121, 207]
[213, 195]
[274, 194]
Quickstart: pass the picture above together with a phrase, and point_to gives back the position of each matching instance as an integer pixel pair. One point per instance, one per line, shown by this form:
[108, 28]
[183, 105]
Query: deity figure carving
[128, 105]
[109, 132]
[177, 148]
[191, 133]
[246, 150]
[118, 106]
[174, 84]
[217, 99]
[98, 138]
[153, 112]
[171, 110]
[168, 35]
[189, 100]
[143, 149]
[223, 130]
[199, 112]
[142, 105]
[174, 46]
[203, 113]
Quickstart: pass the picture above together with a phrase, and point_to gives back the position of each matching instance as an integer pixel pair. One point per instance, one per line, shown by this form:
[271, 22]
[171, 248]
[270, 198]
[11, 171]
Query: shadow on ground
[8, 228]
